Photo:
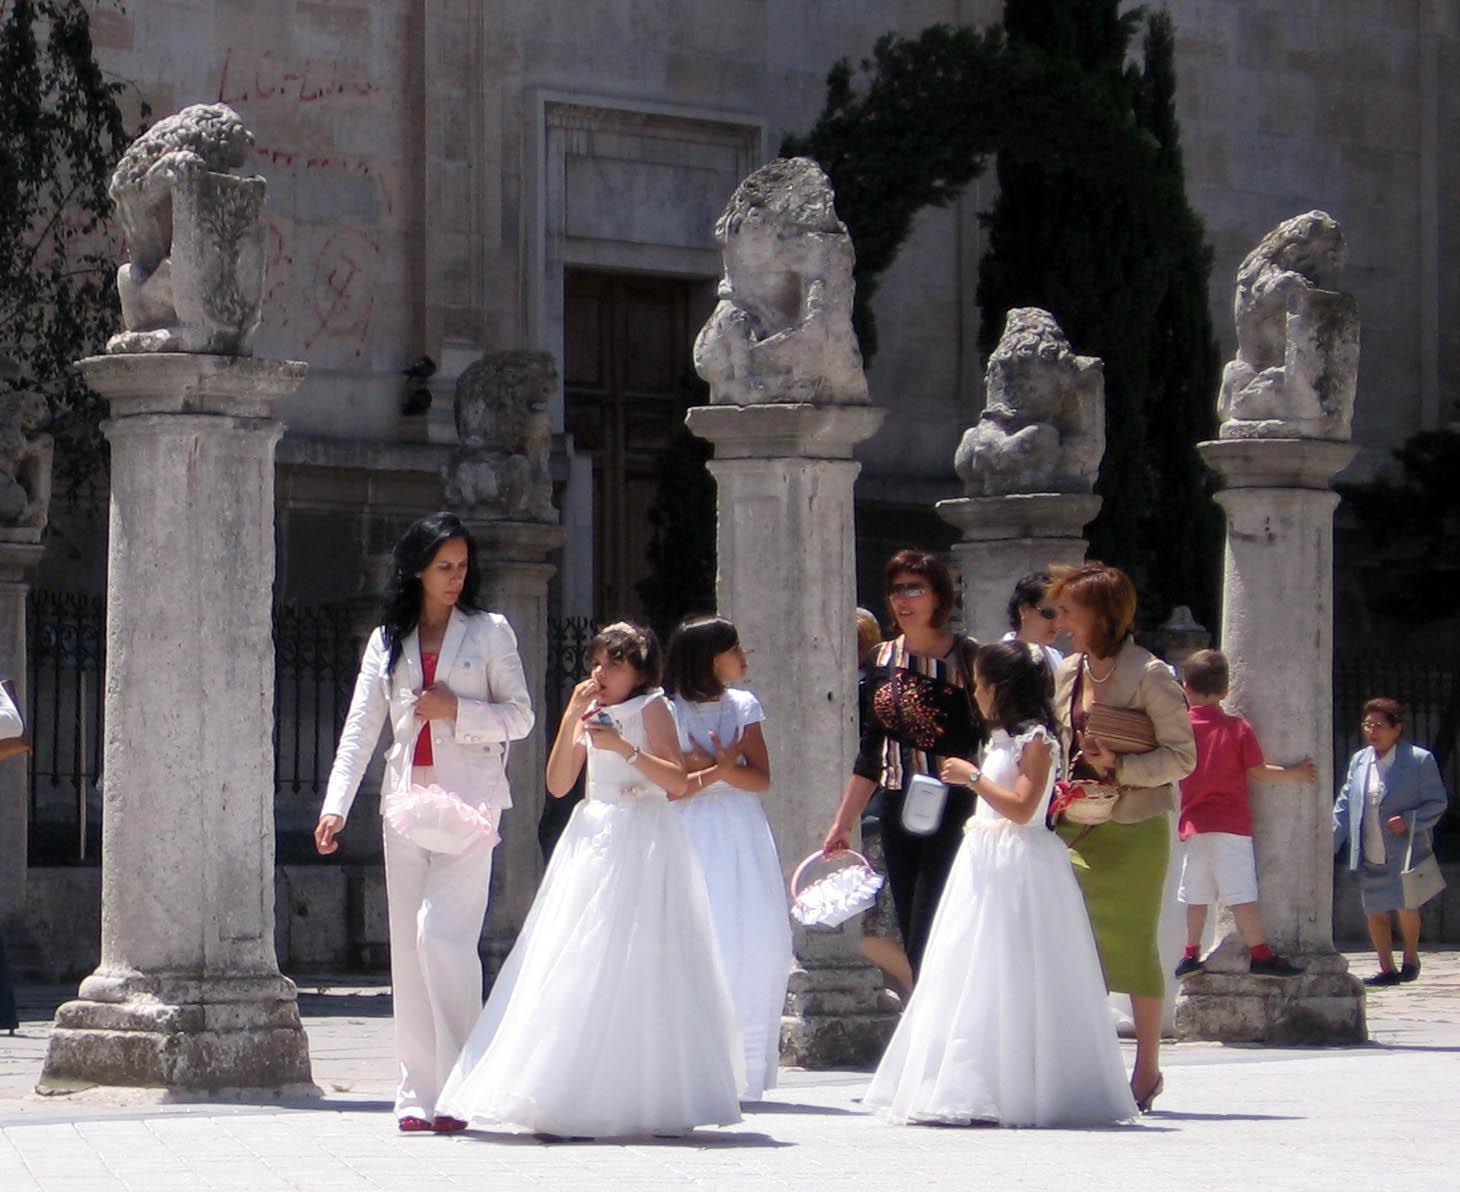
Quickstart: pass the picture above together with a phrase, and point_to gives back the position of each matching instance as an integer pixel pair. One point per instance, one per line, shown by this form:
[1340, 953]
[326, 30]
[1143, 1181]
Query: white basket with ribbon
[842, 894]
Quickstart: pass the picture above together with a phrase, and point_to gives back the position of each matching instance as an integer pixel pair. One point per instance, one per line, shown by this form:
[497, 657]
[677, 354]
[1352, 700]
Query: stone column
[786, 558]
[1279, 542]
[1286, 410]
[514, 583]
[188, 994]
[20, 551]
[1005, 538]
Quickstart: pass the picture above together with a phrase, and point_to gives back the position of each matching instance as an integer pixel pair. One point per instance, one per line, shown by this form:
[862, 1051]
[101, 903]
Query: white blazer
[479, 662]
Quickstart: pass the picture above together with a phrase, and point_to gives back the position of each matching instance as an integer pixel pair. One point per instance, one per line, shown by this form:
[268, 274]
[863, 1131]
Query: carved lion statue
[505, 430]
[195, 279]
[25, 459]
[1043, 425]
[1296, 339]
[782, 329]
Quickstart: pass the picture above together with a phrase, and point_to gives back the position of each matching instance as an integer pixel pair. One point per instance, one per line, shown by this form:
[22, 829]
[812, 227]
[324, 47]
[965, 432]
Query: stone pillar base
[837, 1016]
[1324, 1005]
[223, 1033]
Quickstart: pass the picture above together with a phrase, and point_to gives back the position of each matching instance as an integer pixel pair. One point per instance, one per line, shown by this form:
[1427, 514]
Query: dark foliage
[61, 132]
[1091, 223]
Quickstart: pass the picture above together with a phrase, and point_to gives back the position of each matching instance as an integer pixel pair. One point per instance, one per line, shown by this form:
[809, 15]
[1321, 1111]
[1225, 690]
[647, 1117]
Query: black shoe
[1383, 978]
[1278, 966]
[1189, 965]
[1409, 972]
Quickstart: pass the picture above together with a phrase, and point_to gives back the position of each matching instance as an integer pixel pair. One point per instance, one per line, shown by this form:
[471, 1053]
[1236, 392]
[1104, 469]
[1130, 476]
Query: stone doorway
[625, 389]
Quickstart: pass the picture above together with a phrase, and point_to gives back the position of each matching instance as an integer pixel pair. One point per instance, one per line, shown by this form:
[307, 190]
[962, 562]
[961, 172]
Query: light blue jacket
[1413, 789]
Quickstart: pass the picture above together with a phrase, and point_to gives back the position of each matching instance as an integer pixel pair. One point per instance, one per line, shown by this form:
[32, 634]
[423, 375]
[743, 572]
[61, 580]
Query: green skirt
[1121, 869]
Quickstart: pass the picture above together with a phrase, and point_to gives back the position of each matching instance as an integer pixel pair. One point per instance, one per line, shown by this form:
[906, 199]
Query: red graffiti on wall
[343, 291]
[307, 81]
[336, 162]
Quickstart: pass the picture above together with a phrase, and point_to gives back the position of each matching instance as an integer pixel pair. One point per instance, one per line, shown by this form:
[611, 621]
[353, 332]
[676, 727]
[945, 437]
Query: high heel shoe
[1144, 1103]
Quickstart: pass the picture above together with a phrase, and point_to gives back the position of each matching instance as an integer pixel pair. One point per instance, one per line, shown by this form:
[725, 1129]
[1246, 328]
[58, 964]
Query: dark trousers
[8, 1019]
[918, 866]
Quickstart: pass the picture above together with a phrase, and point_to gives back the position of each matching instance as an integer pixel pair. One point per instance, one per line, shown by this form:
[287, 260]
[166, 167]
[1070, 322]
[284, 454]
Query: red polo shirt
[1214, 795]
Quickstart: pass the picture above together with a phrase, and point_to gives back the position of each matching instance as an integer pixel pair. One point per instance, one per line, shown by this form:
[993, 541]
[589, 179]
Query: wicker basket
[1086, 803]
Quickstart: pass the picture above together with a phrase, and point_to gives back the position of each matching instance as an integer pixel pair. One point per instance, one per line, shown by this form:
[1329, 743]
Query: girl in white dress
[729, 769]
[610, 1016]
[1008, 1023]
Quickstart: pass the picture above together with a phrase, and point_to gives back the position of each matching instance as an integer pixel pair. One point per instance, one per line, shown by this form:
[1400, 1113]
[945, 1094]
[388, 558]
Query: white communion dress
[1008, 1023]
[743, 873]
[610, 1016]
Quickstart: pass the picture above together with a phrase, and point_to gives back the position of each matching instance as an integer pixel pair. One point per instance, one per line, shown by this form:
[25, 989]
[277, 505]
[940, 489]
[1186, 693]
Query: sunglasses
[910, 591]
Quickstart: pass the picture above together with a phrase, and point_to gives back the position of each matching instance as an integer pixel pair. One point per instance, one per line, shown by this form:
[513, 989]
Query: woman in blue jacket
[1393, 788]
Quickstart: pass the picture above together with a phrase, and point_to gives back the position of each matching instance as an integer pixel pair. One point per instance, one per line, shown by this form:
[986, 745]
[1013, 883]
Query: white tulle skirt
[742, 871]
[610, 1016]
[1008, 1023]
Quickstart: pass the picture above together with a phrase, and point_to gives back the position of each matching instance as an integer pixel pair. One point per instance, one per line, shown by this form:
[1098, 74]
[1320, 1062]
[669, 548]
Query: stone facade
[435, 168]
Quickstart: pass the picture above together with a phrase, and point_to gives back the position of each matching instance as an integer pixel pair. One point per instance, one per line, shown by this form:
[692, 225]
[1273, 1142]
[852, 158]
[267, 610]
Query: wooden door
[626, 359]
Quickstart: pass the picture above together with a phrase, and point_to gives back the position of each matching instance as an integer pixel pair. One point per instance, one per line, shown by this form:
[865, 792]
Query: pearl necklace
[1085, 661]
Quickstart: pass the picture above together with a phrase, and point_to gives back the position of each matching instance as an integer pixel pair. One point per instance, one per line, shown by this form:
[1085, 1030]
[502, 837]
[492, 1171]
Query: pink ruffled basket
[435, 819]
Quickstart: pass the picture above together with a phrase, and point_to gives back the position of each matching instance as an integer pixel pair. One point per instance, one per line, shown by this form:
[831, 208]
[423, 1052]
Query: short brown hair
[928, 566]
[1107, 592]
[1206, 672]
[1391, 709]
[623, 641]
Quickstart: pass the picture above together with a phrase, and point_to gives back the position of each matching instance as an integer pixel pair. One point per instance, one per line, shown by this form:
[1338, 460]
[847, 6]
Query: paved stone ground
[1379, 1116]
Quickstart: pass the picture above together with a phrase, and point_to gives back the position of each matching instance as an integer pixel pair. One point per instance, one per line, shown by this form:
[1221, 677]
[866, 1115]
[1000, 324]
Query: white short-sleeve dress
[742, 870]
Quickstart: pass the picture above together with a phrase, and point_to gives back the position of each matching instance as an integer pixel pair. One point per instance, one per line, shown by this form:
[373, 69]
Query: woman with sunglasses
[1391, 798]
[920, 711]
[1032, 618]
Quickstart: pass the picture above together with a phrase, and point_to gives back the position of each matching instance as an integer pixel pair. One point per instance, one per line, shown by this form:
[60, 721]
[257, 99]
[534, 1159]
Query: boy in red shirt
[1216, 818]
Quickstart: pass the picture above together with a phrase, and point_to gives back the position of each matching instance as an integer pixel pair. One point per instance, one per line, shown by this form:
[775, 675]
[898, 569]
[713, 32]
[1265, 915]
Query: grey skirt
[1380, 886]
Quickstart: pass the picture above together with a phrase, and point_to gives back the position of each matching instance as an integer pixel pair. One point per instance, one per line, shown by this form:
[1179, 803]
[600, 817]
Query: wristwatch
[632, 755]
[974, 777]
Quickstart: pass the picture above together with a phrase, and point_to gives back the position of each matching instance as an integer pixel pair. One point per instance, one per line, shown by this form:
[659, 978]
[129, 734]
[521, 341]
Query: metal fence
[316, 655]
[1428, 687]
[66, 655]
[567, 663]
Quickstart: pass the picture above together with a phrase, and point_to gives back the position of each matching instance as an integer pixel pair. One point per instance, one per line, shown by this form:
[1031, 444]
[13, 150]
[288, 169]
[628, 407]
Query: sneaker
[1278, 966]
[1189, 965]
[1382, 978]
[1409, 972]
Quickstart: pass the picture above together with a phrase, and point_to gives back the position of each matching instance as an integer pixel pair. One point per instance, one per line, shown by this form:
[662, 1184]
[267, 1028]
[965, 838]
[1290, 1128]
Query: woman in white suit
[448, 677]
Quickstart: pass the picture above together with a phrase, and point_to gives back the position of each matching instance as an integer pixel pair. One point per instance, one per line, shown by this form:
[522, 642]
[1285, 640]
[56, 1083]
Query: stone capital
[20, 550]
[1020, 515]
[507, 542]
[802, 430]
[1277, 463]
[185, 383]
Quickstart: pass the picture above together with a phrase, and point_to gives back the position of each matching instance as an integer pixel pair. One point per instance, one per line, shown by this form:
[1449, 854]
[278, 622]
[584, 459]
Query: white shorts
[1219, 867]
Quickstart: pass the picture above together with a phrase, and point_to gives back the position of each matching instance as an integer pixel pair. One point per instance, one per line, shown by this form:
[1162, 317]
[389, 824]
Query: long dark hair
[689, 668]
[1023, 687]
[400, 607]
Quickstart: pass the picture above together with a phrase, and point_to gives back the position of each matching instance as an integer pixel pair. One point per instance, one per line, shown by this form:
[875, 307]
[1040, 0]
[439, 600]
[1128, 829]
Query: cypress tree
[1120, 260]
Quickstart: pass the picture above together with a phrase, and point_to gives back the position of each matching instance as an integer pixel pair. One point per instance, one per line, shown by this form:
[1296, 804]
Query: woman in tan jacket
[1121, 864]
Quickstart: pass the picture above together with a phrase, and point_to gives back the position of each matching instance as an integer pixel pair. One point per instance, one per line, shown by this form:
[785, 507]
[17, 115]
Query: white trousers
[437, 902]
